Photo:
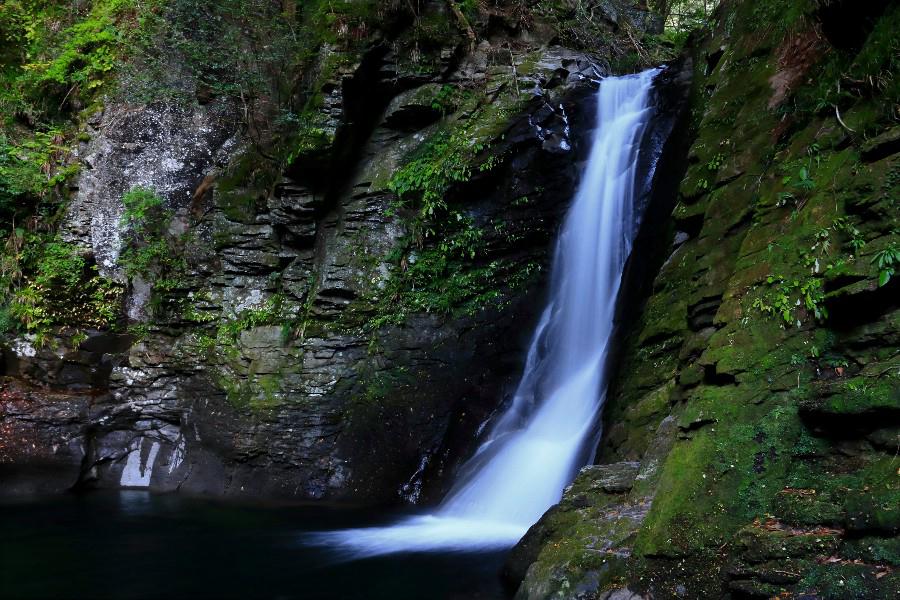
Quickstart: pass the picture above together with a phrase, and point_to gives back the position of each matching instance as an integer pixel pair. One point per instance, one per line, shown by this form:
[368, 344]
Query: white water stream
[536, 447]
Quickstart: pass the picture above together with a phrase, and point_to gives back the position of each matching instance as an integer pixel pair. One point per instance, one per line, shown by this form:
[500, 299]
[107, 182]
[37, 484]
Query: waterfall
[552, 425]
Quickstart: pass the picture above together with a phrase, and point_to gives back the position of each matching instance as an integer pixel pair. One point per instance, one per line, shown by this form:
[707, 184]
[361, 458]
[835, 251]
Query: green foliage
[845, 76]
[143, 209]
[21, 165]
[715, 162]
[786, 295]
[55, 58]
[83, 58]
[59, 265]
[845, 226]
[30, 170]
[886, 260]
[446, 99]
[824, 256]
[61, 54]
[455, 276]
[446, 159]
[150, 253]
[580, 26]
[270, 313]
[8, 321]
[229, 47]
[257, 394]
[683, 16]
[380, 388]
[311, 135]
[59, 289]
[800, 185]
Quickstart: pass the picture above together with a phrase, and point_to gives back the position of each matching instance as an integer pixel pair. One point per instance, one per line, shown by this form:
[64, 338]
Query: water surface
[134, 544]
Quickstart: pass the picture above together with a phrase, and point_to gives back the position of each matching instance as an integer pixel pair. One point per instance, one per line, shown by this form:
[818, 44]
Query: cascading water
[535, 448]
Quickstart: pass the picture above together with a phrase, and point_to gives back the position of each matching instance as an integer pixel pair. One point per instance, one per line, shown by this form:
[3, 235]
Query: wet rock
[779, 449]
[43, 439]
[853, 409]
[616, 478]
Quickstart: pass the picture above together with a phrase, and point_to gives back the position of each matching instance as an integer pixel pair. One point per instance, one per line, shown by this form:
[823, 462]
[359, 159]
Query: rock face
[757, 390]
[167, 147]
[319, 338]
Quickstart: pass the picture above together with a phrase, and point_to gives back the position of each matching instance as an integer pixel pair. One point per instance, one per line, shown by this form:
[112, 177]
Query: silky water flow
[549, 430]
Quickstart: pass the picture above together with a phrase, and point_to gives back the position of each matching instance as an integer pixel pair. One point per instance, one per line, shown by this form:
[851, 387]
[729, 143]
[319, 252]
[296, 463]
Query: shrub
[150, 251]
[60, 290]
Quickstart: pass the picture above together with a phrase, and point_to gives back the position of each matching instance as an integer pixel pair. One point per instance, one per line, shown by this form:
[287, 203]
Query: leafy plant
[150, 251]
[804, 182]
[788, 294]
[800, 186]
[32, 167]
[61, 290]
[445, 99]
[784, 198]
[445, 160]
[715, 162]
[886, 260]
[844, 225]
[270, 313]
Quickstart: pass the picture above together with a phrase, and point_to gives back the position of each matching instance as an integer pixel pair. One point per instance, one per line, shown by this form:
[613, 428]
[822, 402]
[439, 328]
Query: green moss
[312, 138]
[272, 312]
[844, 581]
[876, 65]
[759, 543]
[857, 396]
[248, 178]
[454, 275]
[877, 550]
[726, 474]
[589, 532]
[874, 507]
[259, 395]
[807, 508]
[789, 219]
[380, 385]
[449, 157]
[379, 392]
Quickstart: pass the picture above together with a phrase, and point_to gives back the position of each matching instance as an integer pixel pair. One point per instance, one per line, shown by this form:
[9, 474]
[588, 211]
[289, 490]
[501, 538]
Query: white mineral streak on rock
[177, 455]
[137, 472]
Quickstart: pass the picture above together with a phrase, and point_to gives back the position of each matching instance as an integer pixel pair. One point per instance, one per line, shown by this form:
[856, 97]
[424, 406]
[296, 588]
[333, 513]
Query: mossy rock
[758, 544]
[807, 508]
[874, 549]
[848, 581]
[858, 403]
[876, 509]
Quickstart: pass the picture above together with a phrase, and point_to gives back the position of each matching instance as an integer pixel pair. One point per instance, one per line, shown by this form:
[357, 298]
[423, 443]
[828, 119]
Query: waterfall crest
[535, 448]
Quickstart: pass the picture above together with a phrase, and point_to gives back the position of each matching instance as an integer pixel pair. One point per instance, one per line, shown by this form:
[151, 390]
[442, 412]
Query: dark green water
[138, 545]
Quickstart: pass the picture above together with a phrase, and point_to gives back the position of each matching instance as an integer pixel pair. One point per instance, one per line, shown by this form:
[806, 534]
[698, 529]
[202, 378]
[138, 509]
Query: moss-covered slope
[766, 362]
